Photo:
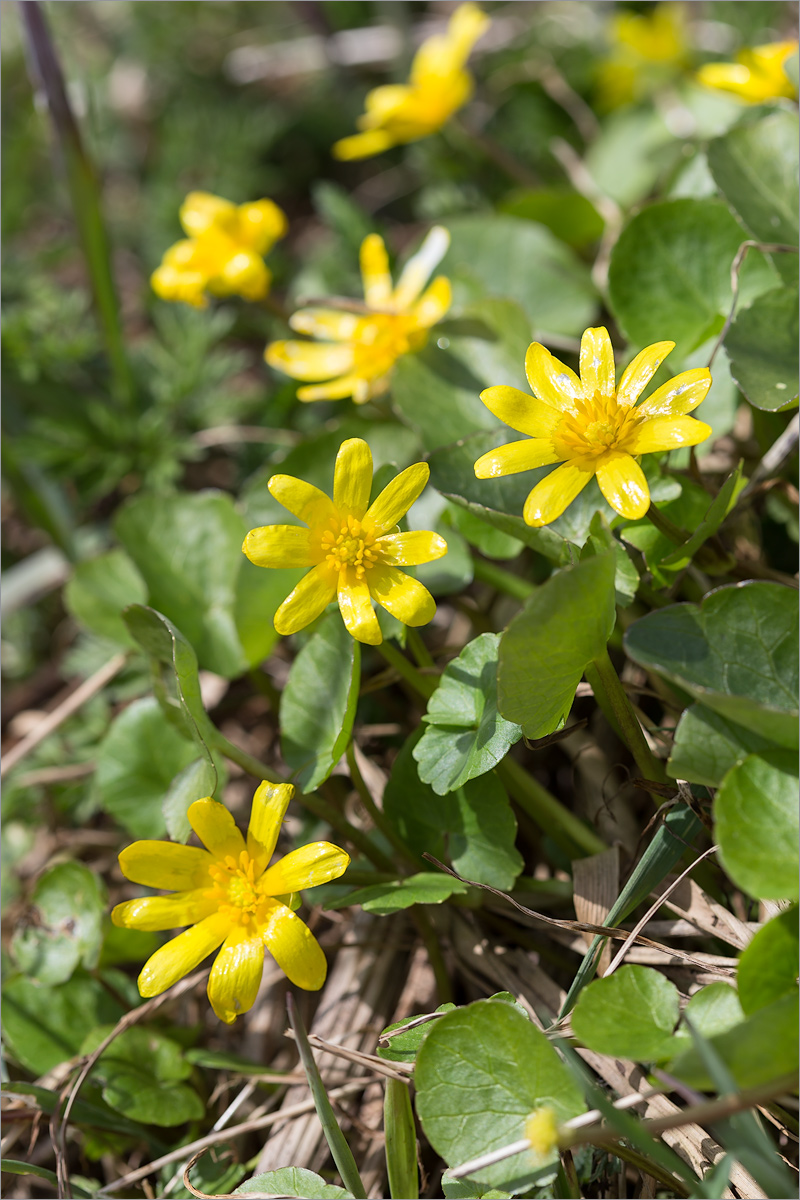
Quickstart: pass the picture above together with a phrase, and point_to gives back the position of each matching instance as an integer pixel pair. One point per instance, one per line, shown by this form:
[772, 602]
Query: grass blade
[401, 1142]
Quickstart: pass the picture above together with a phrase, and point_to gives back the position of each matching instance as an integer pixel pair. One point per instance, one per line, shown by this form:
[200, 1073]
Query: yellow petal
[266, 816]
[363, 145]
[679, 396]
[216, 828]
[352, 477]
[434, 302]
[597, 363]
[201, 210]
[411, 549]
[515, 457]
[356, 608]
[623, 484]
[309, 360]
[166, 865]
[180, 956]
[666, 433]
[260, 224]
[521, 411]
[306, 601]
[420, 267]
[555, 492]
[294, 948]
[551, 380]
[396, 498]
[402, 596]
[336, 389]
[310, 865]
[279, 546]
[327, 323]
[466, 25]
[244, 274]
[640, 371]
[236, 974]
[179, 284]
[165, 912]
[375, 275]
[302, 499]
[383, 102]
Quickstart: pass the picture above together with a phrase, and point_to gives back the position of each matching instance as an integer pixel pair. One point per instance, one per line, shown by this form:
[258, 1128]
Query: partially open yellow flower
[591, 426]
[759, 73]
[223, 254]
[541, 1130]
[648, 50]
[231, 897]
[359, 348]
[438, 87]
[353, 547]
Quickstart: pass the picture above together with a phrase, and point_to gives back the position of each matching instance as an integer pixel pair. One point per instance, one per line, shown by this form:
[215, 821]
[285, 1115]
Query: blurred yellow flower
[649, 49]
[353, 547]
[359, 348]
[759, 73]
[223, 254]
[232, 898]
[438, 87]
[541, 1131]
[591, 426]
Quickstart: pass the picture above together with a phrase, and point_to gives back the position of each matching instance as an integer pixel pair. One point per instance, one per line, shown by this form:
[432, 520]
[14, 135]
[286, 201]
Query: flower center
[382, 339]
[348, 544]
[235, 888]
[596, 425]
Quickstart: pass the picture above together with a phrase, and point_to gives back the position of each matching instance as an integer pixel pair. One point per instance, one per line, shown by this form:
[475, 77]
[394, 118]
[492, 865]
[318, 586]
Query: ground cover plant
[400, 617]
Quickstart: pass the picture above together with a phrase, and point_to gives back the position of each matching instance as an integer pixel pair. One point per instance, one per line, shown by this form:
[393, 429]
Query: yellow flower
[591, 426]
[437, 88]
[223, 252]
[352, 546]
[541, 1131]
[359, 348]
[759, 73]
[232, 898]
[649, 49]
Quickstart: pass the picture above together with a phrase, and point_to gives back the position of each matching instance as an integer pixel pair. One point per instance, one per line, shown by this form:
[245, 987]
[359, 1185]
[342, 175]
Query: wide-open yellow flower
[359, 348]
[592, 426]
[353, 547]
[223, 254]
[759, 73]
[231, 897]
[438, 86]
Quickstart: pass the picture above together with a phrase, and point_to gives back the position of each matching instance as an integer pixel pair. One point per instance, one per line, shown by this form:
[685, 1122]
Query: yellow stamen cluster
[597, 425]
[348, 544]
[235, 888]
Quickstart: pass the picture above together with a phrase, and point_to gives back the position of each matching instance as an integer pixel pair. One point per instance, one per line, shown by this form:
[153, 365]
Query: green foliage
[424, 888]
[630, 1014]
[292, 1181]
[768, 966]
[762, 346]
[98, 591]
[44, 1024]
[756, 818]
[759, 1049]
[63, 925]
[142, 1074]
[404, 1046]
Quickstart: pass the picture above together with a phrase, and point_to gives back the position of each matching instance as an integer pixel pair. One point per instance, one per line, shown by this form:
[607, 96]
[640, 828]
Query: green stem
[379, 819]
[428, 934]
[611, 696]
[577, 839]
[665, 526]
[502, 580]
[424, 685]
[418, 648]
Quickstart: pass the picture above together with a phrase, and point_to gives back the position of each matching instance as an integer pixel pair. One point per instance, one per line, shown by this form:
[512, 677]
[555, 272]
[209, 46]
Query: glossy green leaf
[707, 745]
[759, 1049]
[99, 590]
[491, 542]
[762, 346]
[292, 1181]
[194, 782]
[687, 510]
[466, 736]
[318, 704]
[631, 151]
[718, 510]
[142, 1074]
[404, 1047]
[626, 577]
[564, 625]
[63, 925]
[631, 1014]
[669, 275]
[384, 898]
[712, 1011]
[137, 761]
[768, 966]
[570, 216]
[480, 1074]
[756, 825]
[736, 652]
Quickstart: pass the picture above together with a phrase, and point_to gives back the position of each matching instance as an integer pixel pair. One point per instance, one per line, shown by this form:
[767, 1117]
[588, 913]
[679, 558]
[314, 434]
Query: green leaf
[756, 825]
[63, 924]
[94, 1115]
[292, 1181]
[633, 148]
[194, 782]
[491, 542]
[44, 1025]
[15, 1166]
[736, 652]
[465, 1189]
[768, 966]
[707, 745]
[475, 825]
[720, 506]
[762, 346]
[187, 547]
[713, 1010]
[688, 510]
[626, 577]
[758, 1050]
[216, 1172]
[137, 761]
[318, 705]
[564, 625]
[631, 1014]
[480, 1074]
[669, 275]
[260, 591]
[570, 216]
[466, 735]
[401, 1141]
[99, 590]
[142, 1074]
[385, 898]
[405, 1046]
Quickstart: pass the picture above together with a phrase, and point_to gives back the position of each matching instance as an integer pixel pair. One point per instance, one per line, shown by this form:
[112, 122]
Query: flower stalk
[613, 699]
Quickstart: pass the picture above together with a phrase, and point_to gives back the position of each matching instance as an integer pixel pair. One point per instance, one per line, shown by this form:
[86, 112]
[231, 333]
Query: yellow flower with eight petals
[353, 547]
[438, 87]
[231, 897]
[360, 348]
[758, 75]
[591, 426]
[223, 253]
